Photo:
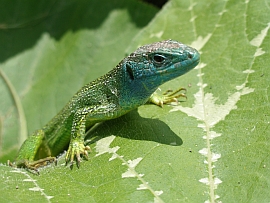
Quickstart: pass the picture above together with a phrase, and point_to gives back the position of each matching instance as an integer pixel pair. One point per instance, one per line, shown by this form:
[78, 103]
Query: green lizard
[129, 85]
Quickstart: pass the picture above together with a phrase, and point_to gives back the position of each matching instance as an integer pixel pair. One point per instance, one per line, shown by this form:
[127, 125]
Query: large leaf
[212, 147]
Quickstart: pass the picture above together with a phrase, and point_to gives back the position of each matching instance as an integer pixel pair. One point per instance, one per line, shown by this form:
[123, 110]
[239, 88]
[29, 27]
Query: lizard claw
[75, 150]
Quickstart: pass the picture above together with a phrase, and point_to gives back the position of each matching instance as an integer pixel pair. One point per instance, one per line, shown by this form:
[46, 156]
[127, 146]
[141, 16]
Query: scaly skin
[129, 85]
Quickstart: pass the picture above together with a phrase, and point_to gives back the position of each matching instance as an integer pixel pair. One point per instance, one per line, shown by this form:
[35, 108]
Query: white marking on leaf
[204, 151]
[204, 180]
[217, 181]
[158, 34]
[18, 170]
[259, 52]
[215, 157]
[131, 166]
[200, 42]
[29, 180]
[128, 174]
[213, 135]
[103, 145]
[190, 8]
[222, 12]
[173, 143]
[114, 156]
[248, 71]
[215, 113]
[208, 113]
[193, 19]
[142, 187]
[201, 65]
[134, 163]
[257, 41]
[159, 192]
[36, 189]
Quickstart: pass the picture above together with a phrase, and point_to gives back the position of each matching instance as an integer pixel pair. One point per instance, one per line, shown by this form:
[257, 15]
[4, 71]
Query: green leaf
[212, 147]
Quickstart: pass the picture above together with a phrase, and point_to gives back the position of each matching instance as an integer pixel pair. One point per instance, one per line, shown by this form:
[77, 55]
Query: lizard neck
[134, 91]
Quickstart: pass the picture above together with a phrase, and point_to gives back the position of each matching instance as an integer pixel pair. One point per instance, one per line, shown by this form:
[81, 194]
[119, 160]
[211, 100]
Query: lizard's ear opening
[129, 71]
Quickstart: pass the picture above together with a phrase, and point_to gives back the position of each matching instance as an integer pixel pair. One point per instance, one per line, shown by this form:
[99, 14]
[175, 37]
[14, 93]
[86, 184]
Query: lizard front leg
[76, 147]
[167, 97]
[92, 114]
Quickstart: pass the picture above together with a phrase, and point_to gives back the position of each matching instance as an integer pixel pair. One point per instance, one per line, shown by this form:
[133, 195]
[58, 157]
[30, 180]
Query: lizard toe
[75, 150]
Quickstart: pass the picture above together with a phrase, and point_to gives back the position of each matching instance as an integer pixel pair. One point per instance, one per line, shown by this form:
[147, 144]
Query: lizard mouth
[191, 61]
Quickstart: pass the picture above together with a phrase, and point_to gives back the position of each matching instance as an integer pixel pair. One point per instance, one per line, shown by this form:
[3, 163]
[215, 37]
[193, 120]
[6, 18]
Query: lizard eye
[159, 58]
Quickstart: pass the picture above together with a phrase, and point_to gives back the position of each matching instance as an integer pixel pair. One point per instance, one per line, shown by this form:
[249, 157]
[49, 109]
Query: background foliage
[212, 147]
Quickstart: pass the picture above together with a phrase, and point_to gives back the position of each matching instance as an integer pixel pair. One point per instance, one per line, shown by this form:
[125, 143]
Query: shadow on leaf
[133, 126]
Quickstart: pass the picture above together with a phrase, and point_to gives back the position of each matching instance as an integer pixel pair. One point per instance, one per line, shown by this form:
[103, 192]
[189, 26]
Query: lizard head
[157, 63]
[143, 71]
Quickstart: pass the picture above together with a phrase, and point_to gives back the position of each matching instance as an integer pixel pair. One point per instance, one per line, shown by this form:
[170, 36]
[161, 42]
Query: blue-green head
[154, 64]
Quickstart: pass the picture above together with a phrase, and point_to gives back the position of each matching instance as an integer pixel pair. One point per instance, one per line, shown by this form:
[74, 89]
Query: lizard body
[129, 85]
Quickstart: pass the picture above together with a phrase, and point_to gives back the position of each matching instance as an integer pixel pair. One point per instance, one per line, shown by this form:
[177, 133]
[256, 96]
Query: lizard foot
[75, 150]
[33, 165]
[167, 97]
